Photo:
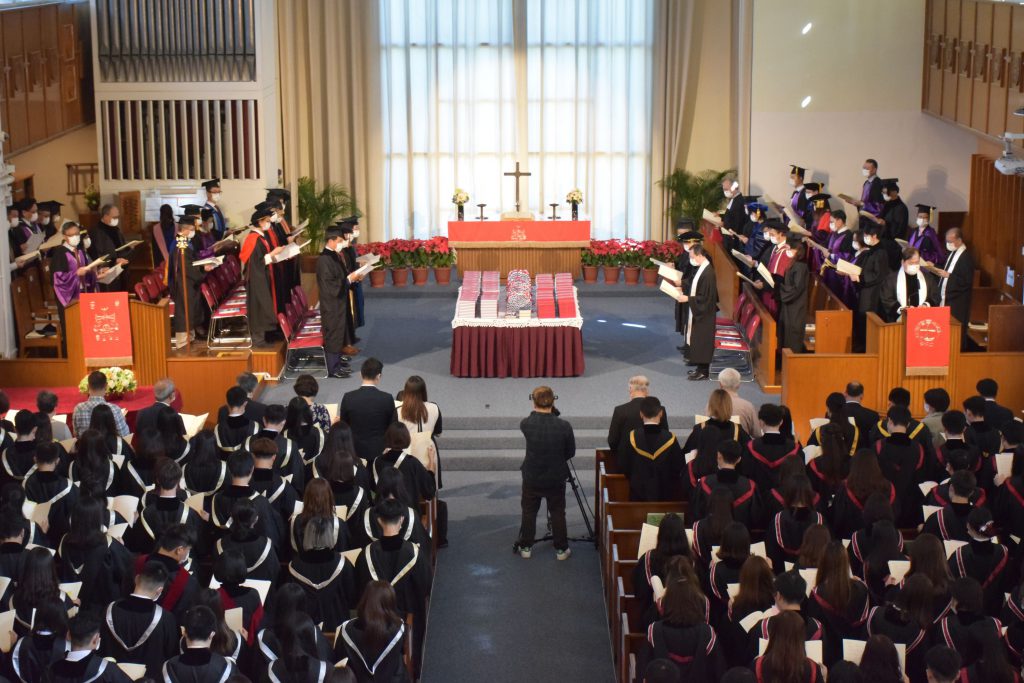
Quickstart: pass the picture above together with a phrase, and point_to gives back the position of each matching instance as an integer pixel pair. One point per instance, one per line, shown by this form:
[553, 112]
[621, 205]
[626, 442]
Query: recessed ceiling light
[806, 101]
[807, 28]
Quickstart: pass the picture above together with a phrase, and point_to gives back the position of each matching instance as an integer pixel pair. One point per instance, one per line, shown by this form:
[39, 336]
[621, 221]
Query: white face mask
[74, 240]
[870, 241]
[885, 197]
[950, 246]
[927, 408]
[693, 262]
[912, 269]
[832, 226]
[808, 194]
[921, 222]
[727, 193]
[46, 221]
[792, 182]
[687, 248]
[338, 246]
[774, 239]
[791, 253]
[275, 218]
[113, 222]
[215, 197]
[355, 233]
[865, 172]
[88, 242]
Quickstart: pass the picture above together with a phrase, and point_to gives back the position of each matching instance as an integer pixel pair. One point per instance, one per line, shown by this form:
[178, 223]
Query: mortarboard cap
[332, 232]
[25, 204]
[266, 205]
[192, 210]
[820, 200]
[871, 228]
[691, 236]
[186, 219]
[346, 228]
[757, 206]
[281, 192]
[924, 208]
[685, 223]
[813, 187]
[205, 214]
[891, 184]
[210, 184]
[260, 214]
[797, 170]
[51, 206]
[777, 225]
[349, 220]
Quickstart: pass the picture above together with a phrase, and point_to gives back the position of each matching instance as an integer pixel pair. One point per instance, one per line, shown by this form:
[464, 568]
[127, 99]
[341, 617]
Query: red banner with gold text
[928, 331]
[106, 329]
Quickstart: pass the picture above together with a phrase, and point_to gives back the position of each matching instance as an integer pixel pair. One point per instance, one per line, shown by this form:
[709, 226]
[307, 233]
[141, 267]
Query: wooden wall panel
[1015, 91]
[966, 58]
[951, 61]
[202, 381]
[509, 257]
[15, 80]
[1004, 367]
[999, 69]
[934, 51]
[35, 372]
[981, 64]
[725, 275]
[833, 331]
[809, 377]
[72, 65]
[151, 340]
[994, 229]
[49, 69]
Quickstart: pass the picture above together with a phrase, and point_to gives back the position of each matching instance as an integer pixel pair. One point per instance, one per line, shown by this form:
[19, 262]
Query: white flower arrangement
[119, 381]
[574, 197]
[460, 197]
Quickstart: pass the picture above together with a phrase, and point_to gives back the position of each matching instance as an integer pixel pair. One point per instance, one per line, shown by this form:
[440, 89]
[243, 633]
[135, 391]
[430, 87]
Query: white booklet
[193, 423]
[111, 274]
[211, 261]
[288, 252]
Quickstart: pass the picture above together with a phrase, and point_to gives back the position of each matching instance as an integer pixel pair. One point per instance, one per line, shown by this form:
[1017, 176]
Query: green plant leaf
[323, 208]
[691, 193]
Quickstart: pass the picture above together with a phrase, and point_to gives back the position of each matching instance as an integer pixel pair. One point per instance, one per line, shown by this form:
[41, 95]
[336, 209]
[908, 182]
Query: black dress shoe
[681, 348]
[340, 374]
[698, 376]
[689, 363]
[356, 340]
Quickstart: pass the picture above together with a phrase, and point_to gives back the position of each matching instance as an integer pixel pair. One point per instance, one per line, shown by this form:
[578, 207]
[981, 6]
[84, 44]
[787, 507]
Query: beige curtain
[329, 82]
[673, 46]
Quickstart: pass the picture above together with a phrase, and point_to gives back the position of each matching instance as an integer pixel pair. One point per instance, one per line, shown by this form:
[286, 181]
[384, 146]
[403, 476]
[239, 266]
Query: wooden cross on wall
[518, 174]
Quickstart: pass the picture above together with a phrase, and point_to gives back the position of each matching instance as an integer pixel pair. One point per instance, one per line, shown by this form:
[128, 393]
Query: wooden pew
[621, 579]
[764, 349]
[833, 320]
[631, 647]
[627, 516]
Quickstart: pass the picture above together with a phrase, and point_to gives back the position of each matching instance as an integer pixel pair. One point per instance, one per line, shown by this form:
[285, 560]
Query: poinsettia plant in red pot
[441, 256]
[378, 276]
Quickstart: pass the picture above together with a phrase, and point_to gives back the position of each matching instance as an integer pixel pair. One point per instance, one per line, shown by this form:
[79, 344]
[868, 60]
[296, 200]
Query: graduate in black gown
[285, 275]
[702, 296]
[325, 574]
[792, 293]
[107, 239]
[137, 630]
[907, 287]
[188, 302]
[650, 456]
[687, 236]
[83, 663]
[874, 265]
[372, 641]
[895, 214]
[334, 280]
[957, 281]
[260, 291]
[197, 663]
[350, 228]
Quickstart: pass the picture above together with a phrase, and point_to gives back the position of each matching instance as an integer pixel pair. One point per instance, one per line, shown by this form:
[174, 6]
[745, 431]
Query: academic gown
[765, 455]
[682, 264]
[342, 537]
[703, 295]
[103, 568]
[652, 461]
[905, 291]
[180, 591]
[336, 322]
[405, 565]
[419, 481]
[848, 511]
[988, 564]
[967, 633]
[949, 523]
[840, 247]
[329, 581]
[269, 646]
[289, 462]
[886, 620]
[91, 669]
[357, 287]
[231, 434]
[261, 557]
[285, 277]
[1012, 617]
[205, 477]
[786, 534]
[279, 493]
[926, 241]
[379, 665]
[51, 487]
[223, 502]
[136, 630]
[956, 290]
[198, 665]
[260, 296]
[357, 499]
[874, 269]
[219, 223]
[840, 622]
[188, 301]
[34, 654]
[792, 293]
[142, 536]
[694, 649]
[105, 241]
[412, 529]
[897, 219]
[746, 503]
[67, 285]
[871, 196]
[893, 252]
[902, 461]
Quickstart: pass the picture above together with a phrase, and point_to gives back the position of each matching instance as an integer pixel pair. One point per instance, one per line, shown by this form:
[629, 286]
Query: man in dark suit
[253, 409]
[626, 417]
[735, 215]
[369, 412]
[957, 280]
[864, 418]
[163, 392]
[995, 414]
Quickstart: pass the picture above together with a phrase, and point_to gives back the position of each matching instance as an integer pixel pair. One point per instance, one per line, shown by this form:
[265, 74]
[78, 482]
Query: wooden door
[1015, 75]
[981, 68]
[998, 69]
[966, 60]
[934, 44]
[951, 59]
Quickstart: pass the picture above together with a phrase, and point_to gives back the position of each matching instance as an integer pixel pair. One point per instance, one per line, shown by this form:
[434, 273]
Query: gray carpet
[626, 331]
[498, 618]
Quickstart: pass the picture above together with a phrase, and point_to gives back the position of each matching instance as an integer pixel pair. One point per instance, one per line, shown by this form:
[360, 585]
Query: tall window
[469, 87]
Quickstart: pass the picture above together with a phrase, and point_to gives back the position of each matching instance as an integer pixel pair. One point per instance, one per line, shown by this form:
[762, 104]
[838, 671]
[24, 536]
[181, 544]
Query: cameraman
[549, 445]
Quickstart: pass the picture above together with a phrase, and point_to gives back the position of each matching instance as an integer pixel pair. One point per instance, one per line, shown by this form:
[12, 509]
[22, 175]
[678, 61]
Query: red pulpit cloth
[106, 329]
[928, 340]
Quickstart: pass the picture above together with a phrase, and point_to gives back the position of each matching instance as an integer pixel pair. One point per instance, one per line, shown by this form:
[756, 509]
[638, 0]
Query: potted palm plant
[322, 208]
[691, 193]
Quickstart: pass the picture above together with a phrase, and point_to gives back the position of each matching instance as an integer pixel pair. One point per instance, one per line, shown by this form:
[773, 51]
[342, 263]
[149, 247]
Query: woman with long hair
[880, 662]
[231, 571]
[707, 532]
[172, 434]
[756, 593]
[135, 477]
[300, 427]
[86, 554]
[928, 557]
[733, 551]
[1012, 616]
[982, 559]
[672, 541]
[205, 471]
[340, 445]
[706, 437]
[245, 536]
[786, 532]
[285, 603]
[683, 633]
[299, 663]
[92, 461]
[907, 619]
[423, 420]
[831, 467]
[838, 600]
[812, 549]
[324, 574]
[863, 541]
[37, 584]
[774, 501]
[785, 659]
[992, 667]
[12, 507]
[39, 648]
[373, 640]
[865, 478]
[226, 642]
[102, 420]
[834, 411]
[419, 481]
[318, 501]
[164, 241]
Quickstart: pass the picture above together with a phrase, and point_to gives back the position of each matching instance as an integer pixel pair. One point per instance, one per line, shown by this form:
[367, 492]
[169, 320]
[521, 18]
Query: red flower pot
[400, 277]
[632, 274]
[419, 276]
[651, 277]
[378, 277]
[611, 274]
[443, 276]
[590, 274]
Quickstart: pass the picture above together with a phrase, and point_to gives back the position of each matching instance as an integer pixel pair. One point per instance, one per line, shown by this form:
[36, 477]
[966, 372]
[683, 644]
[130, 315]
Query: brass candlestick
[482, 216]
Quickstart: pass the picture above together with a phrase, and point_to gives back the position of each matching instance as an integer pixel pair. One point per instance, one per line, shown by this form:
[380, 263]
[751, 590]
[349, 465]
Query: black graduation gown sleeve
[887, 299]
[958, 288]
[188, 311]
[259, 292]
[332, 282]
[105, 241]
[874, 269]
[897, 219]
[704, 307]
[793, 295]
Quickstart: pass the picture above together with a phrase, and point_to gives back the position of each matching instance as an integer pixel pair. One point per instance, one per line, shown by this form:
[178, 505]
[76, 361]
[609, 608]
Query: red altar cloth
[519, 231]
[24, 398]
[517, 352]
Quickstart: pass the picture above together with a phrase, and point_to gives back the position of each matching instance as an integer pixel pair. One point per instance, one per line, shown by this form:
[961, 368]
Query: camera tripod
[573, 481]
